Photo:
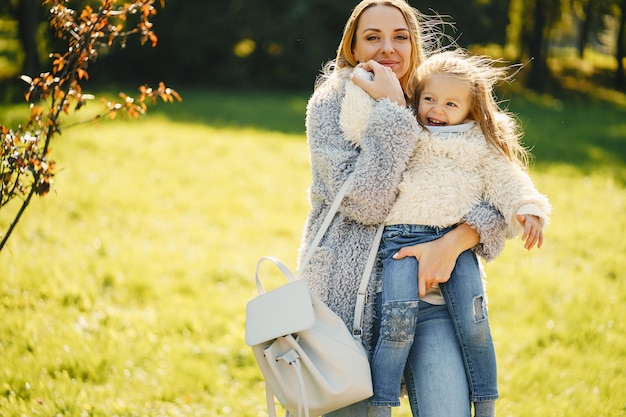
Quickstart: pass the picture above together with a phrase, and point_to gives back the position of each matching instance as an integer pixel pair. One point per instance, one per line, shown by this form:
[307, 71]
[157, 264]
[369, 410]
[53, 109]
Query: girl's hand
[533, 230]
[384, 85]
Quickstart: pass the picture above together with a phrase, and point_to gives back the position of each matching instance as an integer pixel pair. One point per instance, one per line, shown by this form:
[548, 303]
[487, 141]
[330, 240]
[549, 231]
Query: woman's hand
[437, 258]
[384, 85]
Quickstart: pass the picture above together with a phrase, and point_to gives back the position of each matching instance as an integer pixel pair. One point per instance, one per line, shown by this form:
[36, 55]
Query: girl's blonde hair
[500, 127]
[424, 34]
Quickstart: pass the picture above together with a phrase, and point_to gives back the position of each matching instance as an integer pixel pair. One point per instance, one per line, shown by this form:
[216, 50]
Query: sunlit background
[123, 291]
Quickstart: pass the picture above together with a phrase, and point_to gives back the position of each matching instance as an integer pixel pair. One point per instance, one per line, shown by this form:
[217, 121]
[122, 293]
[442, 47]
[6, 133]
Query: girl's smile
[445, 100]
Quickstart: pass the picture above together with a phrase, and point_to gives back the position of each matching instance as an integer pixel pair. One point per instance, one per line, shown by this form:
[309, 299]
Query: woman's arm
[483, 231]
[378, 161]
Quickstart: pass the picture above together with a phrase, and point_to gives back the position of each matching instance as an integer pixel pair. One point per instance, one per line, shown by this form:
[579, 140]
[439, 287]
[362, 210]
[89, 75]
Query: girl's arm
[491, 227]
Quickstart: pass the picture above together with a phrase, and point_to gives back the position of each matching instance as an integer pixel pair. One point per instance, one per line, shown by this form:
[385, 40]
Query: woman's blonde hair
[423, 32]
[500, 127]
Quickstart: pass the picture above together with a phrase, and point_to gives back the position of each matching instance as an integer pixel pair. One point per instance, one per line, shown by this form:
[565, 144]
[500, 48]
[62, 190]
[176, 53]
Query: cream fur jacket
[387, 141]
[451, 170]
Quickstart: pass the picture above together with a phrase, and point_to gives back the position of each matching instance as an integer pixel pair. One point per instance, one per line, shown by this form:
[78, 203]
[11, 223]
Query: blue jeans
[465, 301]
[435, 372]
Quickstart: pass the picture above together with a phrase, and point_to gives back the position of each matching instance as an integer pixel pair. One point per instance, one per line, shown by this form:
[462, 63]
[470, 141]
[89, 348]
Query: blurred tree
[29, 17]
[589, 11]
[620, 81]
[284, 43]
[476, 21]
[28, 14]
[241, 43]
[539, 17]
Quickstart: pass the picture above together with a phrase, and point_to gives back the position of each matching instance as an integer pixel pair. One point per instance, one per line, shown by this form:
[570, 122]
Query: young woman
[389, 36]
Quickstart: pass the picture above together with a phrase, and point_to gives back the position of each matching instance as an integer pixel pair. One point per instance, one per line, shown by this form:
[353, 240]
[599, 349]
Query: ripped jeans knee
[479, 308]
[477, 329]
[398, 321]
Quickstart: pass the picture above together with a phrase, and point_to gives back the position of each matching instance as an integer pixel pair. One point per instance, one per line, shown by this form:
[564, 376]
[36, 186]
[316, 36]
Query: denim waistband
[419, 228]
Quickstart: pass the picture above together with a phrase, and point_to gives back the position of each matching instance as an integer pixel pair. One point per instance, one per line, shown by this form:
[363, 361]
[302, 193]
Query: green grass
[123, 292]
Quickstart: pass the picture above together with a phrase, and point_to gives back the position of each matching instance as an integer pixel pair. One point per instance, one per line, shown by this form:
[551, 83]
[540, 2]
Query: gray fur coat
[387, 143]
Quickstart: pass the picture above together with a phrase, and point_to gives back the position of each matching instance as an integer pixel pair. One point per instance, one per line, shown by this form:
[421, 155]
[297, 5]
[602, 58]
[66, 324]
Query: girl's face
[445, 100]
[383, 35]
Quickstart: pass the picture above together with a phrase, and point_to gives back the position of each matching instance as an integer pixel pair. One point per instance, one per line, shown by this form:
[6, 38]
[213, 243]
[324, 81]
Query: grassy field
[123, 292]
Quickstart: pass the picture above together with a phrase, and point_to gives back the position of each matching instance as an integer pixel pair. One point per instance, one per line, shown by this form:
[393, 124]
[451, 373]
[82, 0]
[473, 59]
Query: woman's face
[383, 35]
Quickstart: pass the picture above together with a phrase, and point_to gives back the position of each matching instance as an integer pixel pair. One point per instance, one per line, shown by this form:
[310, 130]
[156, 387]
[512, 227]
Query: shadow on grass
[578, 124]
[270, 111]
[564, 126]
[578, 128]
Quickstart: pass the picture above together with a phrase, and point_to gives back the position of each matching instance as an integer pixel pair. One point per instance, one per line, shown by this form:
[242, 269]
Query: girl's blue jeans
[435, 374]
[465, 300]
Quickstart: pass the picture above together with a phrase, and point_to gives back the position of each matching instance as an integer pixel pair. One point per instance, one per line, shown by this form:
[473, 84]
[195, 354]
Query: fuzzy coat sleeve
[490, 225]
[512, 191]
[389, 136]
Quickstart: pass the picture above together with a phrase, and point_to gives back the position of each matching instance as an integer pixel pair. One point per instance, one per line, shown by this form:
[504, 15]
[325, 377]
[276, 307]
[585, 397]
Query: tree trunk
[620, 81]
[585, 27]
[536, 48]
[28, 14]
